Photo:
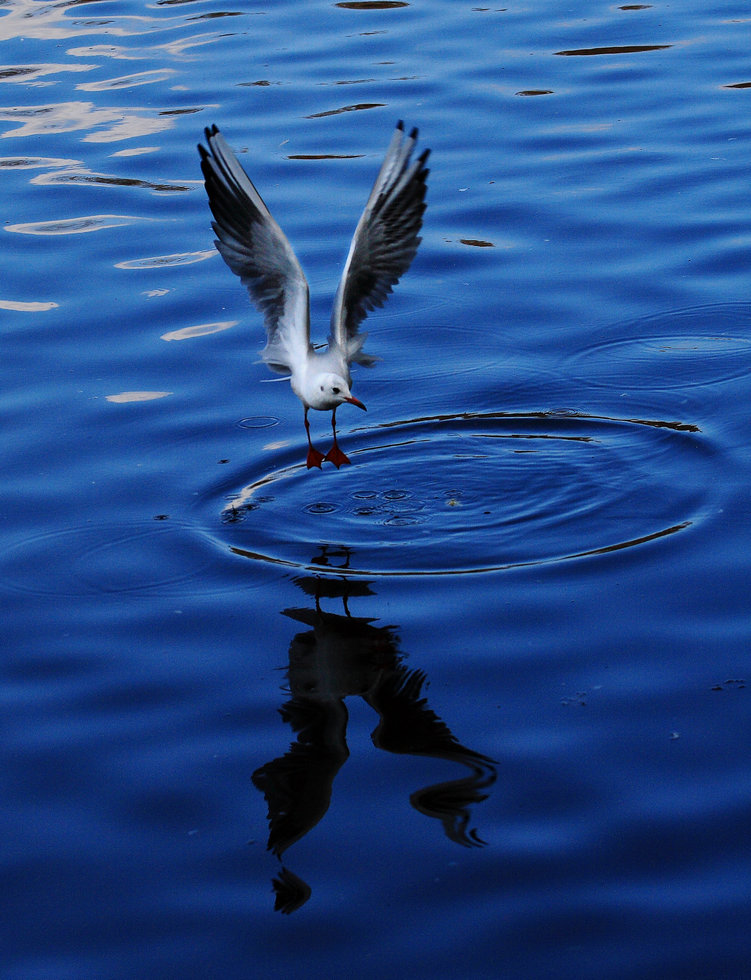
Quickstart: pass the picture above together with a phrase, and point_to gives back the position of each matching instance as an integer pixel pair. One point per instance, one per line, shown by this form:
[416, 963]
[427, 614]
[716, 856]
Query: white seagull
[256, 249]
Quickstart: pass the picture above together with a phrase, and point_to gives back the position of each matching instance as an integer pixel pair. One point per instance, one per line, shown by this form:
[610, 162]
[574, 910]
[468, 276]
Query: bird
[256, 249]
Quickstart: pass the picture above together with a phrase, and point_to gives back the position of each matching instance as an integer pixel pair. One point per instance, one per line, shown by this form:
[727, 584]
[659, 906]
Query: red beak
[356, 401]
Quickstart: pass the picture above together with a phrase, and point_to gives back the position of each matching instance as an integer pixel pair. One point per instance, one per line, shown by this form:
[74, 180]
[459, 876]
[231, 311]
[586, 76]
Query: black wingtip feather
[208, 132]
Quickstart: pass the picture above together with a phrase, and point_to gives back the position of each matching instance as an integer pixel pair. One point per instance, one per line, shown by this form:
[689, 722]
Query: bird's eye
[335, 390]
[321, 387]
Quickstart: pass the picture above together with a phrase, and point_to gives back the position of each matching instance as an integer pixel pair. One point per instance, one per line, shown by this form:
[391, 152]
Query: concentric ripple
[162, 556]
[471, 493]
[679, 349]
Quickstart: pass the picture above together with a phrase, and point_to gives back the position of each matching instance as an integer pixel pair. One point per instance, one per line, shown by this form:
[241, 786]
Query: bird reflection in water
[343, 656]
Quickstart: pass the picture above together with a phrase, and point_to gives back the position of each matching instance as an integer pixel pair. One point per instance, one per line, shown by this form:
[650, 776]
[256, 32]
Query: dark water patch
[371, 4]
[472, 493]
[216, 14]
[70, 176]
[350, 81]
[324, 156]
[185, 111]
[615, 49]
[346, 108]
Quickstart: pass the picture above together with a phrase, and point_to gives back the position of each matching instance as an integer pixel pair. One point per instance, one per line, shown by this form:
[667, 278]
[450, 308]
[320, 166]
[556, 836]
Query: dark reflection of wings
[409, 726]
[342, 656]
[297, 786]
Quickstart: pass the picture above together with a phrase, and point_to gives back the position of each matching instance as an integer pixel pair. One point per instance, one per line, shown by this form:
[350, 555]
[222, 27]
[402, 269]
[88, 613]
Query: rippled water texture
[476, 705]
[502, 492]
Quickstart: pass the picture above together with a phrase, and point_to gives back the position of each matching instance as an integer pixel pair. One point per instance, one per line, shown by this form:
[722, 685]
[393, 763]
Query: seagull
[257, 250]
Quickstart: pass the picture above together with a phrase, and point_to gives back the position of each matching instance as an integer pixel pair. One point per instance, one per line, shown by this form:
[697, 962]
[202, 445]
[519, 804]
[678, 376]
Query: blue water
[477, 705]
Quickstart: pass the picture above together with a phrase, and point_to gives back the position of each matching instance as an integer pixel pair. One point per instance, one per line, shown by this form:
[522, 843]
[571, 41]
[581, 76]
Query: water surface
[476, 705]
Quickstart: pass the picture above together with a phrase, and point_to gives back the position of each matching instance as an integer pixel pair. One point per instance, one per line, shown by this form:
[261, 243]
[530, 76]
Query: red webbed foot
[336, 456]
[315, 458]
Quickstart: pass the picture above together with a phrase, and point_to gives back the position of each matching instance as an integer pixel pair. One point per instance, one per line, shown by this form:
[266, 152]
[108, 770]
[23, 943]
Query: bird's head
[331, 390]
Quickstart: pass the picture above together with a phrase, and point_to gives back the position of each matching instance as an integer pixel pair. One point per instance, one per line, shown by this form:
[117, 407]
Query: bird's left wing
[256, 249]
[384, 243]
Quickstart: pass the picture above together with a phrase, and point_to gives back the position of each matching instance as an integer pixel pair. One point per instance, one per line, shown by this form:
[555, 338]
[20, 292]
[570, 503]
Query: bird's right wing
[384, 244]
[256, 249]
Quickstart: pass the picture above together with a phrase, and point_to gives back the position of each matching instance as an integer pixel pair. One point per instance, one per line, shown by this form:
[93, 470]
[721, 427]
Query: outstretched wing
[256, 249]
[384, 243]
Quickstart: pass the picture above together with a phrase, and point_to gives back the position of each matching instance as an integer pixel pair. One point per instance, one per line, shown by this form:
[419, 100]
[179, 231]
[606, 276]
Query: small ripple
[679, 349]
[159, 557]
[445, 338]
[259, 422]
[402, 520]
[321, 507]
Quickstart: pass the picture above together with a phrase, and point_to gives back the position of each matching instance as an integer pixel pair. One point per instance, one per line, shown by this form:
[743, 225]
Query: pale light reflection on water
[476, 704]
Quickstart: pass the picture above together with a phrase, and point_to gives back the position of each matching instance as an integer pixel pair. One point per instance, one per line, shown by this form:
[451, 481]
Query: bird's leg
[314, 457]
[335, 455]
